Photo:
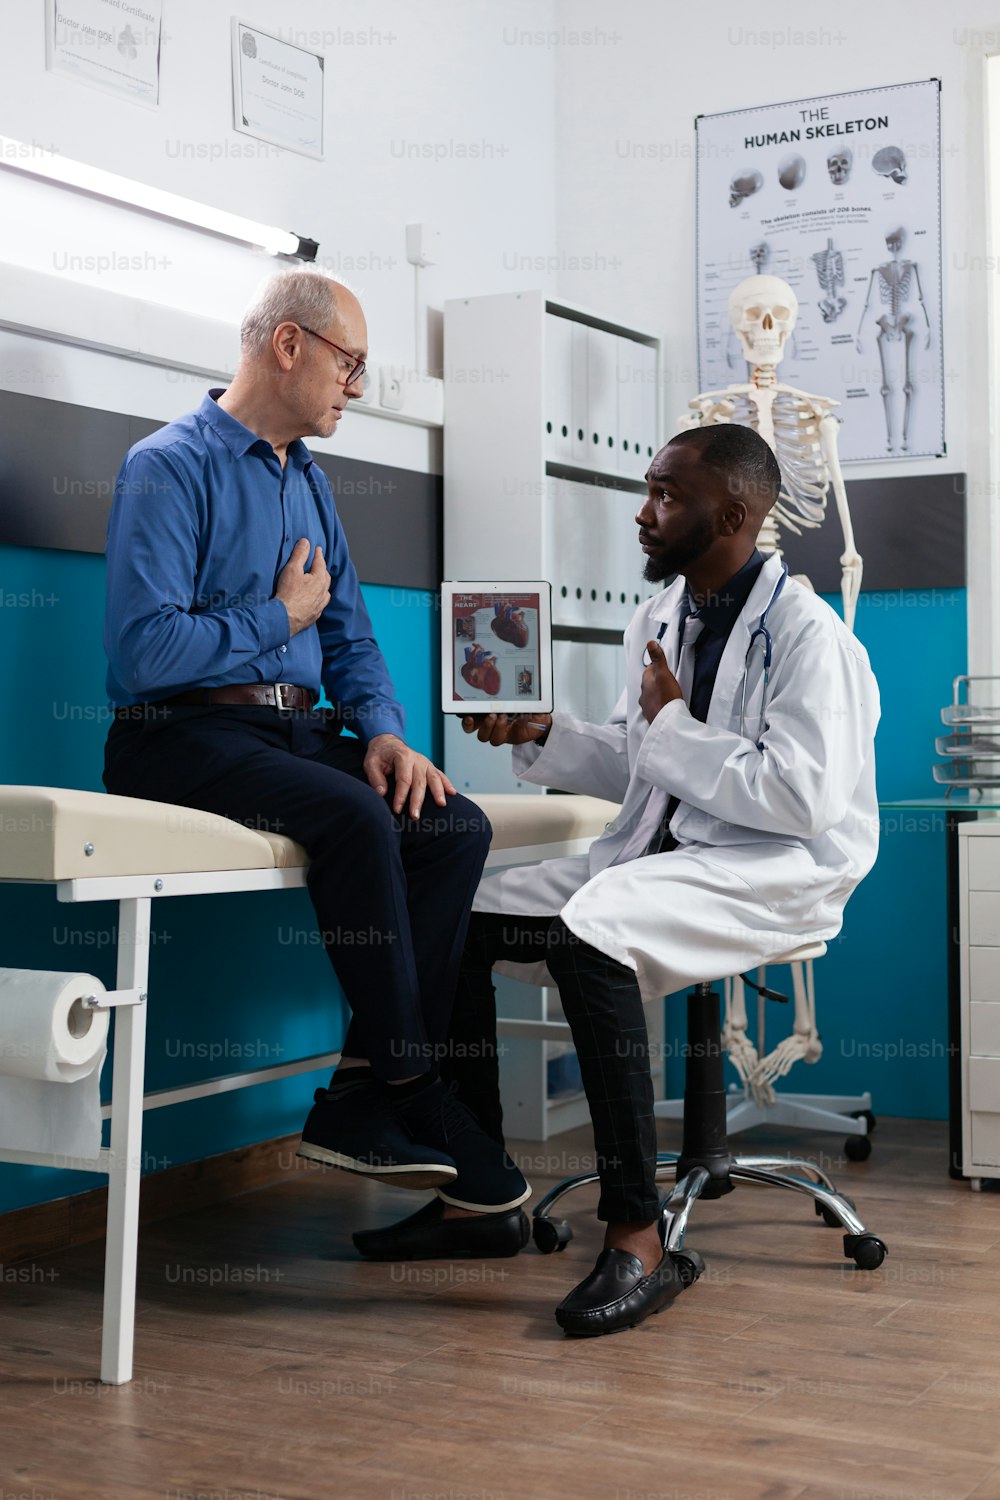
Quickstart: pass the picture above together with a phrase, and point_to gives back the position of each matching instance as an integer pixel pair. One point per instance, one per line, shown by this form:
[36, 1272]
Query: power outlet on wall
[390, 387]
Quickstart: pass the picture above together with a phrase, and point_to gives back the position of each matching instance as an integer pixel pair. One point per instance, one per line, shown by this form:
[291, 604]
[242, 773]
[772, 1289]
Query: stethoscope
[762, 634]
[767, 645]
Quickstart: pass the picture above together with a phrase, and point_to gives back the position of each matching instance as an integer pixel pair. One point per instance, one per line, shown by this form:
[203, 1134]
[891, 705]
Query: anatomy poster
[840, 197]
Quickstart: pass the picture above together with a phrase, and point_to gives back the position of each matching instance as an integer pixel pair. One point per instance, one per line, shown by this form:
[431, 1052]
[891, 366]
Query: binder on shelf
[557, 417]
[602, 398]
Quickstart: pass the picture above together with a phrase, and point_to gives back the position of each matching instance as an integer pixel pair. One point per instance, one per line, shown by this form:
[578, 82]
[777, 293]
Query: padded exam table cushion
[45, 832]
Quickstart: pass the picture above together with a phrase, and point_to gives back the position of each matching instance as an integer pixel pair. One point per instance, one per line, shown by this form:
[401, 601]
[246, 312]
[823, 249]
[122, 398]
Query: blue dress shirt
[204, 519]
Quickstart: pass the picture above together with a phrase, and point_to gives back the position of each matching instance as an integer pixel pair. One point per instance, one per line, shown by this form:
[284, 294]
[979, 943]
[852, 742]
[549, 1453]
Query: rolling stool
[704, 1167]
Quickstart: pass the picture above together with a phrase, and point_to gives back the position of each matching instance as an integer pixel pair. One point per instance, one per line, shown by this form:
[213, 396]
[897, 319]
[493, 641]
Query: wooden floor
[272, 1363]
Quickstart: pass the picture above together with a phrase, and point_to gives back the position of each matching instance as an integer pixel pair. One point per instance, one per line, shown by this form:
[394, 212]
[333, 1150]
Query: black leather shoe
[427, 1235]
[617, 1294]
[354, 1126]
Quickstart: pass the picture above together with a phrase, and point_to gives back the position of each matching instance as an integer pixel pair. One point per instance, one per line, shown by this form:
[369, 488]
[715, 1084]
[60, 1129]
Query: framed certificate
[113, 48]
[496, 647]
[277, 91]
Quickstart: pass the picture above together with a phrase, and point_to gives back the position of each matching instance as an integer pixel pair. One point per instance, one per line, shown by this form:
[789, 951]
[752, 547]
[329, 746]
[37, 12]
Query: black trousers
[392, 894]
[601, 1000]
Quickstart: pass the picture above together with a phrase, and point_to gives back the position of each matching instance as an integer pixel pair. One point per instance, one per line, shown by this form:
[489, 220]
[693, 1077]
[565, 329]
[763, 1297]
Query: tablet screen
[496, 647]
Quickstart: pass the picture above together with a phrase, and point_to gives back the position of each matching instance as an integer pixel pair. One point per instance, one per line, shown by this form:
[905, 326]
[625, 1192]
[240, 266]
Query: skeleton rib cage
[894, 278]
[801, 504]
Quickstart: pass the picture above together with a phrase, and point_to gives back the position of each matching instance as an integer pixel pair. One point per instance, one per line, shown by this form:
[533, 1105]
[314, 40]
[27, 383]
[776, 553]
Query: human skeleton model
[829, 265]
[801, 430]
[897, 281]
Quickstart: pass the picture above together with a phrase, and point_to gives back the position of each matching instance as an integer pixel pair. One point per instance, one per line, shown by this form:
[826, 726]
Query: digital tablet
[496, 647]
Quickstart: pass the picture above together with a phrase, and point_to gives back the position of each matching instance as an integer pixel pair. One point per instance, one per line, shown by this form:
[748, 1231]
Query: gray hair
[304, 297]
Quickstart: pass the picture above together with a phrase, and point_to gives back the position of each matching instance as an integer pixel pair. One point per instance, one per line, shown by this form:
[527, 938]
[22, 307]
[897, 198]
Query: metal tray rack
[972, 749]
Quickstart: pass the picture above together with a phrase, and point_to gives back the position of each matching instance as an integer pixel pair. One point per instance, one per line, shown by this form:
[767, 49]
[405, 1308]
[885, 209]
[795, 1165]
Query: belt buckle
[280, 688]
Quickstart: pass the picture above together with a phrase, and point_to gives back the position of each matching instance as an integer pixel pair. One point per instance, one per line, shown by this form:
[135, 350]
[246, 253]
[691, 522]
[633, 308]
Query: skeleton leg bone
[909, 334]
[882, 340]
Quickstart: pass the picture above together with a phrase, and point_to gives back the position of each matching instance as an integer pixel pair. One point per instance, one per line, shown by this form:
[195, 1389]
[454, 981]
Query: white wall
[431, 114]
[628, 218]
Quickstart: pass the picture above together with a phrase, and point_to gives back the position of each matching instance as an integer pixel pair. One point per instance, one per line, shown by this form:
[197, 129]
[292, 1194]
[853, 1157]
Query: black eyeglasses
[357, 365]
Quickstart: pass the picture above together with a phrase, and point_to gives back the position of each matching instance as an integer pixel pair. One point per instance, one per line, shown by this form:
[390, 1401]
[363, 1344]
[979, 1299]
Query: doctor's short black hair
[751, 469]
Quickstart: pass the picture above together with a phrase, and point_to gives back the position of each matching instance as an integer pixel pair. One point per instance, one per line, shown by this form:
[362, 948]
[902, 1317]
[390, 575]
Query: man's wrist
[535, 722]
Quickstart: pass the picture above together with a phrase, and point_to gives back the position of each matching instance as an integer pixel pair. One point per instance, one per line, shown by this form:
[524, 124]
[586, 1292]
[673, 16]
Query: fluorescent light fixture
[36, 161]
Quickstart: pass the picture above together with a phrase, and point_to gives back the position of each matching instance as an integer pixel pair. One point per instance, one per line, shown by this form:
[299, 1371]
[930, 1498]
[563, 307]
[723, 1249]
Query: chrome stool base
[704, 1167]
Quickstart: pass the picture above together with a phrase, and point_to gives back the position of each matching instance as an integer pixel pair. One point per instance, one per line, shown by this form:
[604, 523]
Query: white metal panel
[984, 917]
[558, 416]
[493, 456]
[985, 1139]
[984, 1030]
[984, 974]
[984, 1083]
[984, 864]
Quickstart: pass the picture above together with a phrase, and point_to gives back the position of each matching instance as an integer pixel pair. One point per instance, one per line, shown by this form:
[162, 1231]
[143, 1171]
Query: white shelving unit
[551, 417]
[979, 937]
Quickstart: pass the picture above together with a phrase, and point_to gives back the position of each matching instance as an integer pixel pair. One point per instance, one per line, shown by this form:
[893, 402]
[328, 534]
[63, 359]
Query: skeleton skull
[744, 185]
[890, 162]
[762, 310]
[838, 164]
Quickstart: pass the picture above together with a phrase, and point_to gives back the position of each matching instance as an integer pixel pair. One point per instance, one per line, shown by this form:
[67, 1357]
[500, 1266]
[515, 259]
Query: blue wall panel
[220, 1003]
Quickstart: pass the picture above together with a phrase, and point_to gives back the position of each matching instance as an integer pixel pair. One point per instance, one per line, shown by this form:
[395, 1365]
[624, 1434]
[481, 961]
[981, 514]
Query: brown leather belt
[268, 694]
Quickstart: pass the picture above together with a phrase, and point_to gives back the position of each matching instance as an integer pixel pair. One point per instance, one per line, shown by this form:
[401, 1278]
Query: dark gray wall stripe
[910, 532]
[58, 463]
[57, 472]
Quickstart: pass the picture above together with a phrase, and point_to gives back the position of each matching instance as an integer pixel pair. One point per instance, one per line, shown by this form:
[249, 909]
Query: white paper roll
[46, 1031]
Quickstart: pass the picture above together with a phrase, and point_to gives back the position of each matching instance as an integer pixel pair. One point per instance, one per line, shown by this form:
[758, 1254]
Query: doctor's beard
[667, 562]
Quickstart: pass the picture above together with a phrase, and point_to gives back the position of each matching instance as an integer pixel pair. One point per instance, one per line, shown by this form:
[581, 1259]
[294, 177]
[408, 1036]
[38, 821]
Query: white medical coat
[771, 840]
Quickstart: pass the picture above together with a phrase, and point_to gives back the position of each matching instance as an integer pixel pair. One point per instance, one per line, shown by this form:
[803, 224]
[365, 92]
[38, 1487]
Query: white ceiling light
[34, 161]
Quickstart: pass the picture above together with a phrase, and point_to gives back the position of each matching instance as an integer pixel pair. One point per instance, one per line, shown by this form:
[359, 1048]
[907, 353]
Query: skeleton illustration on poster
[840, 197]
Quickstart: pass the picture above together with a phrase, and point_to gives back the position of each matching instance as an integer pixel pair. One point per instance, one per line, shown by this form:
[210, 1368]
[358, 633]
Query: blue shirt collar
[239, 439]
[719, 612]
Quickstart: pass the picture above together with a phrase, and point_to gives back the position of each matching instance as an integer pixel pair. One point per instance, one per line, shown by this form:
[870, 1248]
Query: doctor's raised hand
[508, 729]
[659, 685]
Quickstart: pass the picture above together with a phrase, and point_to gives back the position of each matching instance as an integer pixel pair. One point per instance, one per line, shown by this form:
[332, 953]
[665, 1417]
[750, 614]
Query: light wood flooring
[271, 1362]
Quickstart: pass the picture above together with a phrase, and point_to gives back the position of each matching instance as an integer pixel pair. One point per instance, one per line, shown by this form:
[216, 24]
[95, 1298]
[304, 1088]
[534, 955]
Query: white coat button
[282, 648]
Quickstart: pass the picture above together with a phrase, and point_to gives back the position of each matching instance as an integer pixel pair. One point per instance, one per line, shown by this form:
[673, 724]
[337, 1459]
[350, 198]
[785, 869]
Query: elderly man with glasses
[231, 599]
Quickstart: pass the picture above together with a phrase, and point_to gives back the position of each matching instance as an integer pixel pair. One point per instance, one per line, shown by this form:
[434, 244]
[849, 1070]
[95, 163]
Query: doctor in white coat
[741, 751]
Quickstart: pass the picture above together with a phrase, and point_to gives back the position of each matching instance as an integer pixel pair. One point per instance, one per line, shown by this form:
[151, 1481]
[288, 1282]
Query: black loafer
[427, 1235]
[355, 1127]
[617, 1294]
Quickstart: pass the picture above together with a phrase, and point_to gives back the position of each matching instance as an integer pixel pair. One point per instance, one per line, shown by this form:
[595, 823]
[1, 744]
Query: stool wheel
[866, 1250]
[689, 1266]
[827, 1215]
[550, 1235]
[857, 1148]
[867, 1116]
